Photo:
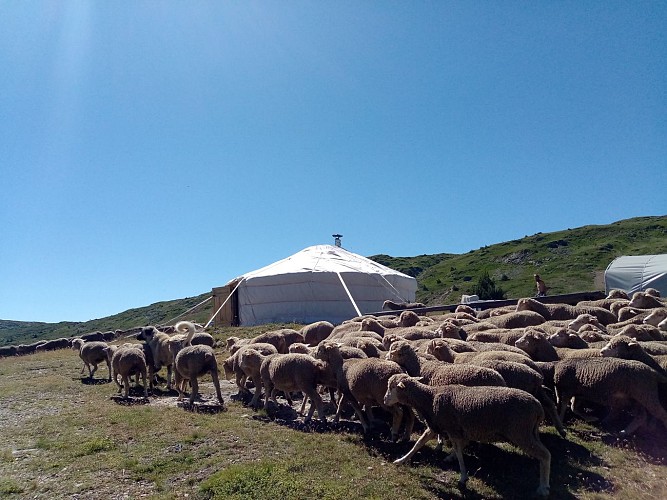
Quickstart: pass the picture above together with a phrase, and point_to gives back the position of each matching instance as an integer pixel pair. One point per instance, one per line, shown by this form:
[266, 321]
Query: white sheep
[128, 360]
[483, 414]
[92, 353]
[193, 361]
[564, 311]
[292, 372]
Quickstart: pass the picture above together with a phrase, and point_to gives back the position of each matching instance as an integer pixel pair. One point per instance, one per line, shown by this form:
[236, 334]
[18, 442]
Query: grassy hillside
[571, 260]
[23, 332]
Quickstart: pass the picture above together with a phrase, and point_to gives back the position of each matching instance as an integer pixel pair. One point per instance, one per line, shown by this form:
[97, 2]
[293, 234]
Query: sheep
[537, 346]
[567, 338]
[617, 306]
[437, 373]
[500, 335]
[517, 319]
[609, 382]
[584, 319]
[520, 376]
[231, 364]
[6, 351]
[390, 305]
[292, 372]
[643, 300]
[92, 337]
[564, 311]
[92, 353]
[489, 346]
[364, 382]
[373, 325]
[127, 361]
[275, 338]
[50, 345]
[628, 348]
[463, 308]
[371, 347]
[444, 353]
[480, 414]
[591, 333]
[662, 326]
[235, 343]
[656, 316]
[486, 313]
[191, 362]
[641, 332]
[615, 293]
[361, 334]
[314, 333]
[450, 330]
[629, 314]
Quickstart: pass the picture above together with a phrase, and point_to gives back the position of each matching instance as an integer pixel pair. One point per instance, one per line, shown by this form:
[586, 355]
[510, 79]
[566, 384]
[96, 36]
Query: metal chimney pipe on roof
[337, 238]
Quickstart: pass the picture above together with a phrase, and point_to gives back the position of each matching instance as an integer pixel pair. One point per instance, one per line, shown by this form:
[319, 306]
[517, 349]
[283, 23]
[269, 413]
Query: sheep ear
[339, 344]
[633, 344]
[417, 379]
[401, 385]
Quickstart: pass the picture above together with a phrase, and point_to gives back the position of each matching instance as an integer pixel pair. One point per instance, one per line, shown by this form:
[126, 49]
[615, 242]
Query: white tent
[321, 282]
[634, 273]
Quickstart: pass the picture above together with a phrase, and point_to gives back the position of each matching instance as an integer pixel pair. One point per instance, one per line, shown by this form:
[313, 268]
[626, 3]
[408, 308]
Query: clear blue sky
[153, 150]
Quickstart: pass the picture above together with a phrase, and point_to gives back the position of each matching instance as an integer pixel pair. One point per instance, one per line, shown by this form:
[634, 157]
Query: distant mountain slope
[571, 260]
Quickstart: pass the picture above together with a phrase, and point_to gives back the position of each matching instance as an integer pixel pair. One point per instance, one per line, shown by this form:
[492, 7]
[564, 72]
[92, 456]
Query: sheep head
[396, 387]
[621, 347]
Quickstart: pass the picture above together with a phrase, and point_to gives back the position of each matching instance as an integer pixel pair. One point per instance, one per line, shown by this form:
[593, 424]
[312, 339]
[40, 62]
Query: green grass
[61, 437]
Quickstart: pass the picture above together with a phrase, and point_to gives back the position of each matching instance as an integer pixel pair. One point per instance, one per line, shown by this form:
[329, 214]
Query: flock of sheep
[481, 376]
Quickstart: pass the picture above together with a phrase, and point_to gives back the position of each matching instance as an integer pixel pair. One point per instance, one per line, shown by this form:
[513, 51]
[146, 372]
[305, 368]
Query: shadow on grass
[93, 381]
[130, 400]
[650, 444]
[210, 407]
[505, 473]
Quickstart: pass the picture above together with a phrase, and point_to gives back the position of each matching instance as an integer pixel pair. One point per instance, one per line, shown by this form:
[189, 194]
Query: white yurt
[321, 282]
[634, 273]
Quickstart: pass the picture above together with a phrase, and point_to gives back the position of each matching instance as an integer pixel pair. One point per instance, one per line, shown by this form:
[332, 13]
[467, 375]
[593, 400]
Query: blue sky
[153, 150]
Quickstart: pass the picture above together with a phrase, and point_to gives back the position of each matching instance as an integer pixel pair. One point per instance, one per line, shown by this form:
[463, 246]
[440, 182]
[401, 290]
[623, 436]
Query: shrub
[486, 288]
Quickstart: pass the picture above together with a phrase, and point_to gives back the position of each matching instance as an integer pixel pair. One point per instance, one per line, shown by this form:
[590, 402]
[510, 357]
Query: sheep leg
[240, 383]
[531, 445]
[397, 418]
[179, 385]
[315, 402]
[169, 377]
[126, 386]
[195, 389]
[254, 403]
[143, 377]
[92, 373]
[216, 384]
[459, 444]
[303, 405]
[343, 399]
[423, 439]
[109, 368]
[550, 410]
[409, 423]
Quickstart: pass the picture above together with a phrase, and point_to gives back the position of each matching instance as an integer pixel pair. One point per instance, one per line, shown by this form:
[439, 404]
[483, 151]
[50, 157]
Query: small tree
[486, 288]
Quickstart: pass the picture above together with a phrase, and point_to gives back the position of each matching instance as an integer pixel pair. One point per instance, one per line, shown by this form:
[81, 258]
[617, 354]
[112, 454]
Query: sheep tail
[185, 326]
